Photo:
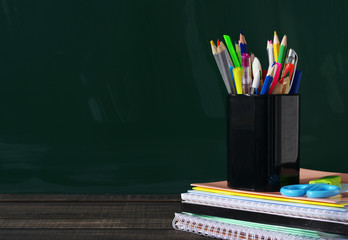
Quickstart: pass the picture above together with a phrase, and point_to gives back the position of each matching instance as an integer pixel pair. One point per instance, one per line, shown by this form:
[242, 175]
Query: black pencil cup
[262, 141]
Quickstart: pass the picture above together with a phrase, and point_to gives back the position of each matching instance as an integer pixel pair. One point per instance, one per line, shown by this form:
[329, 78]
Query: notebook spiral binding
[215, 229]
[263, 207]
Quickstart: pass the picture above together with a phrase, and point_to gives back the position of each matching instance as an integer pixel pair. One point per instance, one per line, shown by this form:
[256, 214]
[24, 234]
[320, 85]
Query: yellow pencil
[276, 46]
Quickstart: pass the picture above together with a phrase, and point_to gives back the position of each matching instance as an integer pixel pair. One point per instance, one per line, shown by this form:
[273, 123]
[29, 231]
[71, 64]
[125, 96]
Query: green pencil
[282, 50]
[238, 53]
[233, 54]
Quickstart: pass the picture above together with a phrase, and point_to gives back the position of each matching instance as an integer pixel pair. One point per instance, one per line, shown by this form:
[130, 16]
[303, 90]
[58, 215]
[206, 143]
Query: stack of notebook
[215, 210]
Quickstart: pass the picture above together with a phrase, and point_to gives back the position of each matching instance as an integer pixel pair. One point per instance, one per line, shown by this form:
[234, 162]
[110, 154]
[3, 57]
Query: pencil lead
[212, 43]
[218, 42]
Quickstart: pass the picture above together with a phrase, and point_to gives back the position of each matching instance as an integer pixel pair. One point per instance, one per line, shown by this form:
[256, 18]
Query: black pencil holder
[263, 134]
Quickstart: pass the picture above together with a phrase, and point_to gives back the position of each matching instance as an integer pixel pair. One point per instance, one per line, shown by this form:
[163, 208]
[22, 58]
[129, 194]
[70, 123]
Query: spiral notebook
[306, 175]
[298, 210]
[223, 228]
[286, 221]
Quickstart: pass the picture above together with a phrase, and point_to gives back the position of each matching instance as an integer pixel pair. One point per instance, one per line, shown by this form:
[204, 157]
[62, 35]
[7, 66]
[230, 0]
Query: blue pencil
[268, 81]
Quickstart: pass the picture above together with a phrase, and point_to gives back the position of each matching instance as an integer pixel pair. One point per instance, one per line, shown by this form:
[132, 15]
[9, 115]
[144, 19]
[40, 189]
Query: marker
[233, 54]
[246, 80]
[237, 73]
[267, 81]
[276, 46]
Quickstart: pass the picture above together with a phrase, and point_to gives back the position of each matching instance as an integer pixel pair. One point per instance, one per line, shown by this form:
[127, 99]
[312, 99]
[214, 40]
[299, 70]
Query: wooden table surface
[58, 216]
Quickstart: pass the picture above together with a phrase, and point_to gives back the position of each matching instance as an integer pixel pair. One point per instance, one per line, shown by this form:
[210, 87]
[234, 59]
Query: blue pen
[296, 82]
[268, 80]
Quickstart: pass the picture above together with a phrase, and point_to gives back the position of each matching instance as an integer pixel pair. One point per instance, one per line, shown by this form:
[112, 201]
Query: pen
[246, 80]
[291, 63]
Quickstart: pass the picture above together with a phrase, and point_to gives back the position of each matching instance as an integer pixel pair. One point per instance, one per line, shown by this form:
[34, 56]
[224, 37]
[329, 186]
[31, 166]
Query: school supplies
[233, 54]
[296, 82]
[242, 44]
[209, 205]
[270, 53]
[276, 46]
[257, 73]
[311, 190]
[327, 186]
[246, 80]
[225, 228]
[238, 52]
[233, 81]
[238, 73]
[219, 64]
[268, 80]
[225, 63]
[278, 66]
[282, 50]
[283, 74]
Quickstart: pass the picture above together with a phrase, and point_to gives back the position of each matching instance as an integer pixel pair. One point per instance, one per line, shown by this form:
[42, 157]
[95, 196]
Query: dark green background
[125, 96]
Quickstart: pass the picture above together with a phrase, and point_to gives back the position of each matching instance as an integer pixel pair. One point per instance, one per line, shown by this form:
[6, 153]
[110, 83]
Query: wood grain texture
[46, 216]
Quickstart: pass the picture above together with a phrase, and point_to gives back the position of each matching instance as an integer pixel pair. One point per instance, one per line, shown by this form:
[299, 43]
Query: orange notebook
[306, 175]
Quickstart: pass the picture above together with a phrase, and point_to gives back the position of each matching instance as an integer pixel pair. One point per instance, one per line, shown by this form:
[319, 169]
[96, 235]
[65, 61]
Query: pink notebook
[306, 175]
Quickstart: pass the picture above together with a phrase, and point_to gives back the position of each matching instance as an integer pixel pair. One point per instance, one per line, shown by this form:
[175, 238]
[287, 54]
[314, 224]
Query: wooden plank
[96, 234]
[90, 197]
[89, 210]
[46, 216]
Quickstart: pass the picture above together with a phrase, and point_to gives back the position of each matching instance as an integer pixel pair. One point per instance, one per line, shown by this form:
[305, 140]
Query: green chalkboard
[125, 96]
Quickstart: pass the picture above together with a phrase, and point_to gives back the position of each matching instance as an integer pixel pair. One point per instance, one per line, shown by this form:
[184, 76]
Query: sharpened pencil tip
[218, 42]
[212, 43]
[275, 33]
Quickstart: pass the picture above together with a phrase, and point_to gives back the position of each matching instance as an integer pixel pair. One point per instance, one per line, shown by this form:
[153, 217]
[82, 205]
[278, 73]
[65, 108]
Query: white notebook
[223, 228]
[305, 211]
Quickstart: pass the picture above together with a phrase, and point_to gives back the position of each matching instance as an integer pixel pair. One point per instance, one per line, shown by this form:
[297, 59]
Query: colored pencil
[276, 46]
[282, 50]
[219, 64]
